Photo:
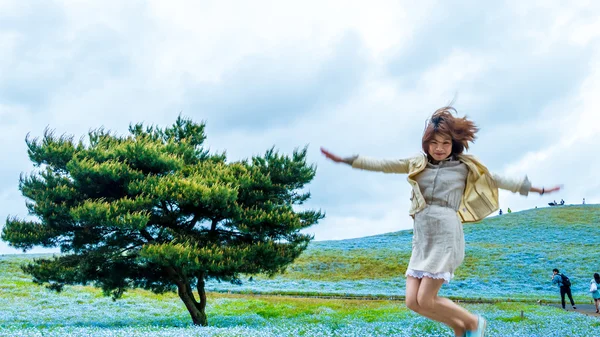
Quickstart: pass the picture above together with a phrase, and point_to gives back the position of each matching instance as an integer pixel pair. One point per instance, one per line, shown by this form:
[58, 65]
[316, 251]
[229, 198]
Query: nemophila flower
[537, 323]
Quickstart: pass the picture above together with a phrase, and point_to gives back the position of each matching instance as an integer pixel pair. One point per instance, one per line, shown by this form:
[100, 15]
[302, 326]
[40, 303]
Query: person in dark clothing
[564, 289]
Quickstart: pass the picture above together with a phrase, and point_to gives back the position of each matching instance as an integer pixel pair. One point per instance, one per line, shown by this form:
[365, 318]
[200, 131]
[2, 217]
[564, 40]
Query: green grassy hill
[508, 256]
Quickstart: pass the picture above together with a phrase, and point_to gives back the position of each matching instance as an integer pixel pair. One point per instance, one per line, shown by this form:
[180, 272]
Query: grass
[357, 264]
[302, 308]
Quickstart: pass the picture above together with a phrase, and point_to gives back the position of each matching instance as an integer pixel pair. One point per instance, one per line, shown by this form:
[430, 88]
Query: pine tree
[155, 210]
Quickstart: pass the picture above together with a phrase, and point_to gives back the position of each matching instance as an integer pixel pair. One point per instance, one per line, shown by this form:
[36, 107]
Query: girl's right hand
[331, 156]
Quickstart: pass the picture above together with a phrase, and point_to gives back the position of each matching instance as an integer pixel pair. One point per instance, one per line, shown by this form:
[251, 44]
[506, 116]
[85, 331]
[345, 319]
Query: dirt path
[586, 309]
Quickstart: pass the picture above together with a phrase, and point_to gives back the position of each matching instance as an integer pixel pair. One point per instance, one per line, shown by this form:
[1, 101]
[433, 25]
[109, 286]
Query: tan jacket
[480, 198]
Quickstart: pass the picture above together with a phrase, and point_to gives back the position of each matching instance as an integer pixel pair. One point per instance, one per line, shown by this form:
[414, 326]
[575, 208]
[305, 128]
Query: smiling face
[440, 147]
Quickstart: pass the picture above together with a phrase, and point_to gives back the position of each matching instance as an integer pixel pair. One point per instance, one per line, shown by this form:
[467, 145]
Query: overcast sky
[352, 77]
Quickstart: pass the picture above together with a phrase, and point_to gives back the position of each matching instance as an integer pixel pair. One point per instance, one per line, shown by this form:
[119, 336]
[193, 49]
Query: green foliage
[513, 319]
[155, 210]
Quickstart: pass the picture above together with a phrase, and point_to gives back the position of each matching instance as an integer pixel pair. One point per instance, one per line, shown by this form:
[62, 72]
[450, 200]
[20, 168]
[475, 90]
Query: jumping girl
[448, 188]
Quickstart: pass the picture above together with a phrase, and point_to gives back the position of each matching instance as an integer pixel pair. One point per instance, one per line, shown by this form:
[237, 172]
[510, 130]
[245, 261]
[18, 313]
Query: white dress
[438, 245]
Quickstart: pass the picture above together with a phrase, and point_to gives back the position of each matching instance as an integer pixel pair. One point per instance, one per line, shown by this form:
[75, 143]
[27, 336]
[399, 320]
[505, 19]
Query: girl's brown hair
[460, 130]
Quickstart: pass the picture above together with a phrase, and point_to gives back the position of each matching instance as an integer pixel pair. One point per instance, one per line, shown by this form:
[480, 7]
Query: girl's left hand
[551, 189]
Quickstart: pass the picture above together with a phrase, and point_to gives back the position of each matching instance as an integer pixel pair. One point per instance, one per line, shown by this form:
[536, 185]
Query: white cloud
[355, 78]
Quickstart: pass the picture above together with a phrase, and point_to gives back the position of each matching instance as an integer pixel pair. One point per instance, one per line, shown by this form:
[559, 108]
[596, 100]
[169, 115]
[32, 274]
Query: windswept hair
[597, 277]
[460, 130]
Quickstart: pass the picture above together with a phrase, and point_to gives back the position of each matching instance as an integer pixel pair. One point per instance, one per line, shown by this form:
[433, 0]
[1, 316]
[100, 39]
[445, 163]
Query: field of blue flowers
[30, 310]
[510, 256]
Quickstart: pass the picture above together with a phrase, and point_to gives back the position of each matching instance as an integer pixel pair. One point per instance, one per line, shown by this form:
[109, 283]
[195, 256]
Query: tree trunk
[195, 309]
[184, 290]
[201, 292]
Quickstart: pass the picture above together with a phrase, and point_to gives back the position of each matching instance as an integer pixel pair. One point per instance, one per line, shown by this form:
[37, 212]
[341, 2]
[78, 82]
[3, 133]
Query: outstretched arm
[364, 163]
[338, 159]
[522, 186]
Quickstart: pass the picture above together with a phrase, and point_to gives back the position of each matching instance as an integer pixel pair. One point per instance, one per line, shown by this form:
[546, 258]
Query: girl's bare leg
[430, 301]
[413, 291]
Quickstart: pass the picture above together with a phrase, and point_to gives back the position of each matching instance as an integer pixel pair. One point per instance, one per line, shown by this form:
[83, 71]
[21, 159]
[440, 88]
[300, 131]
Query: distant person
[562, 202]
[500, 211]
[584, 201]
[596, 293]
[448, 188]
[508, 210]
[565, 286]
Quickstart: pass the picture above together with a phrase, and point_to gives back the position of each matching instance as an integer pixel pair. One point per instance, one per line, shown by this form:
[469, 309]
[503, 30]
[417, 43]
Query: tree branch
[192, 222]
[147, 236]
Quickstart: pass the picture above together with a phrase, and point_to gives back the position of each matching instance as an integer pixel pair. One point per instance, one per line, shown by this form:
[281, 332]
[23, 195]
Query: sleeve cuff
[525, 187]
